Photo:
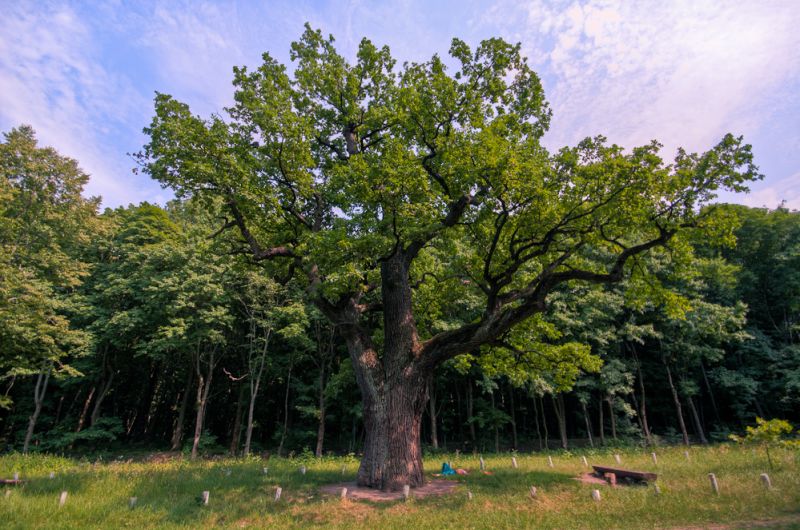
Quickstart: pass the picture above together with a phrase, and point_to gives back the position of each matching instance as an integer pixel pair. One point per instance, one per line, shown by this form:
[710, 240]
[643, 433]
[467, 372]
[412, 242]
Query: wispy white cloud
[196, 45]
[684, 72]
[50, 80]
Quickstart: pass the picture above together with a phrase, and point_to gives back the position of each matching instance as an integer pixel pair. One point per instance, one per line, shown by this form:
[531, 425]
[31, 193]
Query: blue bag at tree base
[446, 469]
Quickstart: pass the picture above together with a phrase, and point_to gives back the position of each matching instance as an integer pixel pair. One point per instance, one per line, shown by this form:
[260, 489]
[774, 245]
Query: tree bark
[285, 411]
[544, 424]
[677, 401]
[38, 399]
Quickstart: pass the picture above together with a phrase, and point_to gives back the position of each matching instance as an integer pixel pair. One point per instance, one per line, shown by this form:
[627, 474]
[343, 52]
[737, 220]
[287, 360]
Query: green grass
[167, 493]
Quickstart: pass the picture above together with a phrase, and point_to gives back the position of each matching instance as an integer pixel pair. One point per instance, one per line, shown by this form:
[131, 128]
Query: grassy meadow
[241, 495]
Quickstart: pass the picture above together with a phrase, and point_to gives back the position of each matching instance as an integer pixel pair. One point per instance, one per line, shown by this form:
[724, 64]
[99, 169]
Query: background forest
[137, 327]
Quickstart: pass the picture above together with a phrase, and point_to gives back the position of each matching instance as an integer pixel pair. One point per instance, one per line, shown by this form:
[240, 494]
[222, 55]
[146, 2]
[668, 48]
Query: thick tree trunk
[38, 399]
[677, 401]
[394, 386]
[177, 429]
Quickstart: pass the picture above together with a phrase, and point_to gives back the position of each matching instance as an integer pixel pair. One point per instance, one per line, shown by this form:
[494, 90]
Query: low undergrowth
[242, 494]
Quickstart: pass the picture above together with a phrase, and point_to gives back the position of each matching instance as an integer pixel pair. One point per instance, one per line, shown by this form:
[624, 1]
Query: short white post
[765, 480]
[532, 492]
[585, 462]
[514, 462]
[458, 452]
[596, 495]
[16, 476]
[265, 470]
[52, 475]
[469, 495]
[132, 502]
[62, 500]
[657, 488]
[343, 494]
[344, 469]
[204, 498]
[278, 492]
[406, 492]
[550, 461]
[302, 470]
[483, 465]
[617, 458]
[714, 485]
[654, 457]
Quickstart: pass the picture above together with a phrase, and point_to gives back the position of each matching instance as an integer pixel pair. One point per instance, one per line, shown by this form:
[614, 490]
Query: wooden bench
[625, 474]
[11, 482]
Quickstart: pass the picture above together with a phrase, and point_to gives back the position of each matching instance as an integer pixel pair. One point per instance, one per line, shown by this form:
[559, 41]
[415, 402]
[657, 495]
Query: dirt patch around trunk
[359, 493]
[591, 478]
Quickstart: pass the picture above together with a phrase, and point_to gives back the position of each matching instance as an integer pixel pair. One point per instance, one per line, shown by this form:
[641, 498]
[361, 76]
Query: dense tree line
[138, 325]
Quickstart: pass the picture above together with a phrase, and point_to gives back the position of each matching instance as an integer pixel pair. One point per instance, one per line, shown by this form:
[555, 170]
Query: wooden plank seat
[625, 474]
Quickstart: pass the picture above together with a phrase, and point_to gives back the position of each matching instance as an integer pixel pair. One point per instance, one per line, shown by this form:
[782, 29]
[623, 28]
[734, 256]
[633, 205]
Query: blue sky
[683, 72]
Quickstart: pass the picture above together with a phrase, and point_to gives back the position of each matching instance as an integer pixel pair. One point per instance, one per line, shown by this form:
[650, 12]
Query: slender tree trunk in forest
[38, 399]
[513, 418]
[544, 424]
[322, 406]
[285, 411]
[561, 417]
[459, 419]
[57, 418]
[203, 389]
[677, 401]
[710, 393]
[588, 424]
[432, 413]
[536, 422]
[470, 405]
[602, 423]
[698, 425]
[643, 408]
[105, 386]
[177, 429]
[236, 434]
[496, 429]
[85, 410]
[612, 416]
[254, 384]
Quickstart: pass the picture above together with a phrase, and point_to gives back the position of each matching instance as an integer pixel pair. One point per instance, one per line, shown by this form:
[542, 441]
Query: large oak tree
[416, 194]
